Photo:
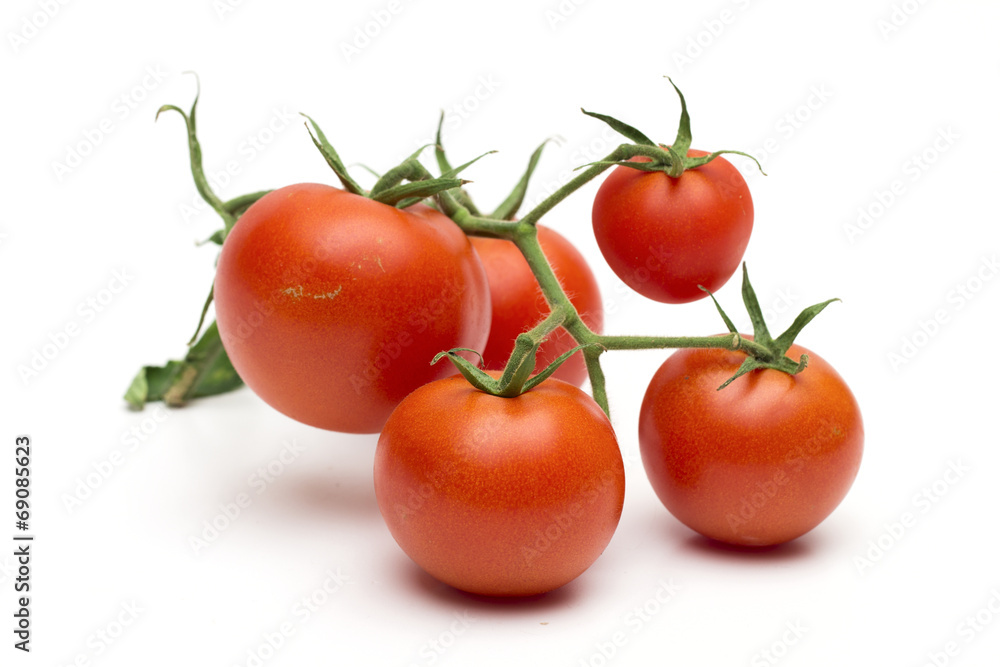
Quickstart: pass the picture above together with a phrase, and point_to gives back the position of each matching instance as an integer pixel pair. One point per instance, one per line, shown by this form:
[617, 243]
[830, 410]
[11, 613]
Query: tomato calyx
[458, 202]
[673, 159]
[404, 185]
[206, 369]
[516, 377]
[767, 352]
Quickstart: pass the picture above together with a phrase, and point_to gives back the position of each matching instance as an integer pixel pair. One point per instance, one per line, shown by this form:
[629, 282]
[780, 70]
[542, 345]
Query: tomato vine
[205, 370]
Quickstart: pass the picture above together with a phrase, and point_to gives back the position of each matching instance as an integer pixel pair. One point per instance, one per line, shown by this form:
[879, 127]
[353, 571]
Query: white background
[839, 99]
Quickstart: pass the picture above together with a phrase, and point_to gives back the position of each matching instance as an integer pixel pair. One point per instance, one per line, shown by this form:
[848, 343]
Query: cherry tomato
[518, 303]
[500, 496]
[665, 236]
[331, 305]
[758, 463]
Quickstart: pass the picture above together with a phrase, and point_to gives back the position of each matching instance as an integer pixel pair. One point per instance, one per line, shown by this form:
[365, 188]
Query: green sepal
[660, 158]
[515, 374]
[683, 140]
[391, 190]
[204, 311]
[205, 371]
[195, 157]
[517, 377]
[725, 318]
[765, 352]
[785, 340]
[508, 385]
[476, 376]
[444, 166]
[760, 333]
[749, 364]
[540, 377]
[237, 206]
[331, 157]
[371, 171]
[693, 162]
[451, 173]
[508, 207]
[217, 238]
[624, 129]
[672, 160]
[417, 190]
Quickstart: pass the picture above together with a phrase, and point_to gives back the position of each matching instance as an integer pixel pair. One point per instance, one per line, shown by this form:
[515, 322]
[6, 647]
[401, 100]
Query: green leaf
[623, 129]
[151, 383]
[205, 371]
[138, 392]
[216, 372]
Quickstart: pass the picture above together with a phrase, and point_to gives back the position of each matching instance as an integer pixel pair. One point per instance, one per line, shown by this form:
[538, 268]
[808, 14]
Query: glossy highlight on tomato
[665, 236]
[331, 306]
[500, 496]
[518, 303]
[760, 462]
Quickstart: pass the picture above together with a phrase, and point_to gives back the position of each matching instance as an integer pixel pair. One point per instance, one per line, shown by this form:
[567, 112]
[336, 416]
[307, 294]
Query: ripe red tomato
[518, 303]
[760, 462]
[500, 496]
[665, 236]
[331, 305]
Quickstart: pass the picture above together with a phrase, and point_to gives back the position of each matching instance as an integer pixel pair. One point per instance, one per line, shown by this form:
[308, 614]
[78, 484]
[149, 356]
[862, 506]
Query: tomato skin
[665, 236]
[518, 303]
[500, 496]
[331, 305]
[758, 463]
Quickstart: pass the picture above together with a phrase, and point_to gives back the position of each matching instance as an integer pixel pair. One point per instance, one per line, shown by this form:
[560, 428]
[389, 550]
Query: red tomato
[665, 236]
[331, 305]
[760, 462]
[500, 496]
[518, 303]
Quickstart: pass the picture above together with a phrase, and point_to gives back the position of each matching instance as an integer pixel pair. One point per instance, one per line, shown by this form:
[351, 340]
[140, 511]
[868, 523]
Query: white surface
[877, 100]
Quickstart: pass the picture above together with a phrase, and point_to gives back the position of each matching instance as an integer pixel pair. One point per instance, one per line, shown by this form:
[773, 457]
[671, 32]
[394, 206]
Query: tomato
[758, 463]
[331, 305]
[500, 496]
[518, 303]
[665, 236]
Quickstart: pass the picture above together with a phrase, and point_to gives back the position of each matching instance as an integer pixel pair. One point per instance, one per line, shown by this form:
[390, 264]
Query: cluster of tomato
[332, 303]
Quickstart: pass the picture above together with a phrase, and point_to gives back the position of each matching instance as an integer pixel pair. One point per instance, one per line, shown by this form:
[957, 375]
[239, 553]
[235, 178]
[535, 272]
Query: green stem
[581, 179]
[730, 341]
[598, 386]
[524, 234]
